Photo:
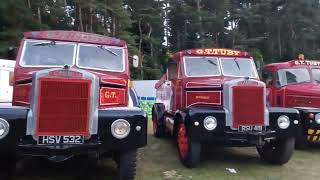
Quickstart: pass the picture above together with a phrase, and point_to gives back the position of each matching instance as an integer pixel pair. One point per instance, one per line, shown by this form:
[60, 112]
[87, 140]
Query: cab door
[175, 83]
[268, 78]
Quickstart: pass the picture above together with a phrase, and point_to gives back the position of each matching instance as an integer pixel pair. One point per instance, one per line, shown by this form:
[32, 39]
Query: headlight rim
[288, 120]
[215, 122]
[114, 134]
[7, 130]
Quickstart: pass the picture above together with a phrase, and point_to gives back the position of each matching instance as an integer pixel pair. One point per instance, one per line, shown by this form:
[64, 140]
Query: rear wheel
[127, 164]
[301, 140]
[189, 151]
[158, 130]
[278, 152]
[7, 166]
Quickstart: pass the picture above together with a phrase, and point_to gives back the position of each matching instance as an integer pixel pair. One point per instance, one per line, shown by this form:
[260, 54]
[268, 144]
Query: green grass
[159, 160]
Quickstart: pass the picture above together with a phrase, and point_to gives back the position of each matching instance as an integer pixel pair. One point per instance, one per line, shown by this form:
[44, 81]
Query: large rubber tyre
[158, 130]
[7, 166]
[127, 165]
[189, 151]
[278, 152]
[301, 140]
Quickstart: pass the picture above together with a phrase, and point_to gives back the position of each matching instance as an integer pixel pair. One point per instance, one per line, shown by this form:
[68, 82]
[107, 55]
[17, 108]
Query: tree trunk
[113, 25]
[201, 31]
[80, 17]
[140, 47]
[91, 19]
[39, 16]
[149, 36]
[178, 41]
[29, 4]
[279, 40]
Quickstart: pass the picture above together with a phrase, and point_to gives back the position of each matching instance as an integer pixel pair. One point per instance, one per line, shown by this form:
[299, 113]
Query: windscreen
[46, 53]
[238, 67]
[316, 75]
[292, 76]
[101, 57]
[202, 66]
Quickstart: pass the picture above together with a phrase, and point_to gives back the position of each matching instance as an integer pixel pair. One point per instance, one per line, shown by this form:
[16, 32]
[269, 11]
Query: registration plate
[70, 139]
[250, 128]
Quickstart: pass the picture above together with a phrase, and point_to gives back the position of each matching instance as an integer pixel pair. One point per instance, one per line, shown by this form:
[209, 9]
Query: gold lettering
[236, 53]
[215, 51]
[203, 97]
[230, 53]
[208, 51]
[223, 51]
[199, 51]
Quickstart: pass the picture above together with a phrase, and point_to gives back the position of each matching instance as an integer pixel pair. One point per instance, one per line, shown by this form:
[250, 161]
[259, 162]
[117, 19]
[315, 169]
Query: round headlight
[283, 122]
[4, 128]
[210, 123]
[317, 118]
[120, 128]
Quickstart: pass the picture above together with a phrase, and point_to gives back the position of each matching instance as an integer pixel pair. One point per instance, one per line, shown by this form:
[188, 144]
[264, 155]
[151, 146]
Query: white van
[6, 78]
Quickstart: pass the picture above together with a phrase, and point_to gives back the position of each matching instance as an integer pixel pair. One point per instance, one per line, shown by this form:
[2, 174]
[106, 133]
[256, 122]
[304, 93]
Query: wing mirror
[135, 61]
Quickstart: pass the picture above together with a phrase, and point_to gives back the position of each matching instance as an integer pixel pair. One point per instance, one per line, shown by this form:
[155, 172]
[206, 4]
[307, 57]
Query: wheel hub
[183, 141]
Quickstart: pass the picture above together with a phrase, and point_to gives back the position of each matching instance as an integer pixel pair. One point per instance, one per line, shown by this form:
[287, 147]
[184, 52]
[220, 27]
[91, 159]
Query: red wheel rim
[154, 123]
[183, 141]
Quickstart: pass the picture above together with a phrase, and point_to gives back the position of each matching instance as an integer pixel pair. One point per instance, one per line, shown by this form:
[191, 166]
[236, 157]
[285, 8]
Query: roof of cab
[294, 63]
[74, 36]
[211, 52]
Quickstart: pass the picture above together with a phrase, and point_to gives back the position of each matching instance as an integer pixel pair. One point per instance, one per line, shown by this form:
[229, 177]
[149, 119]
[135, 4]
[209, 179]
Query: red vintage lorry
[296, 84]
[214, 97]
[71, 97]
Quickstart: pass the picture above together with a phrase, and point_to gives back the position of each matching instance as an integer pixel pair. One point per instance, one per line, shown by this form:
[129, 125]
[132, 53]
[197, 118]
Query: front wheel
[127, 164]
[278, 152]
[189, 151]
[158, 130]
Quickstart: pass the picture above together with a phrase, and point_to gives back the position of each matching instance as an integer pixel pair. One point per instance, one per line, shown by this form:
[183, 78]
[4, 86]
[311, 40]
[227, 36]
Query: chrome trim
[227, 100]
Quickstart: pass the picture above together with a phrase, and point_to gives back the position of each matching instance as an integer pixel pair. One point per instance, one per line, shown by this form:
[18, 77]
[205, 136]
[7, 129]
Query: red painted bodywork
[183, 85]
[63, 106]
[294, 95]
[255, 116]
[23, 75]
[63, 101]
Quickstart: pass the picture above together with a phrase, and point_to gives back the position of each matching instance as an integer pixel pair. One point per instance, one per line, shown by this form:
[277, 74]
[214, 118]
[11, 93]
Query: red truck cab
[71, 97]
[296, 84]
[214, 96]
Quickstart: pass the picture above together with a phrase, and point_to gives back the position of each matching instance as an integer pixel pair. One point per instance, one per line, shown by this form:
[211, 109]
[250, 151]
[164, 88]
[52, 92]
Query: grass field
[159, 160]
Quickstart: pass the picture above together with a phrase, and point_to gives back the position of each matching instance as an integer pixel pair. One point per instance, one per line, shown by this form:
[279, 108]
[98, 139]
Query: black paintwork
[305, 120]
[103, 142]
[225, 136]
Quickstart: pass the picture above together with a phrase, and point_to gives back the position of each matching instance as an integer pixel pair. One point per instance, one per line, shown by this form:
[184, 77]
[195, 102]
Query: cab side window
[172, 71]
[267, 77]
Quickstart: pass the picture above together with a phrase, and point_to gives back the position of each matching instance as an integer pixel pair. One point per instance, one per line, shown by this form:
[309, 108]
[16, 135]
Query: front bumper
[310, 127]
[103, 142]
[225, 136]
